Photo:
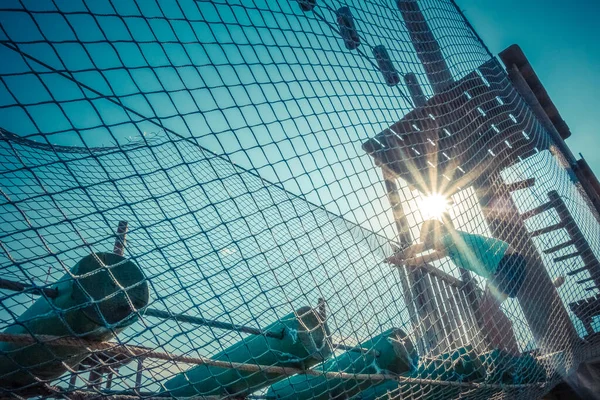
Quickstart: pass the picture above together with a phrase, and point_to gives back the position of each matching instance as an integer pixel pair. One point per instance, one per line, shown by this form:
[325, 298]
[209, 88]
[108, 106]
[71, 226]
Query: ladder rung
[527, 183]
[584, 280]
[567, 256]
[559, 247]
[537, 210]
[581, 269]
[547, 229]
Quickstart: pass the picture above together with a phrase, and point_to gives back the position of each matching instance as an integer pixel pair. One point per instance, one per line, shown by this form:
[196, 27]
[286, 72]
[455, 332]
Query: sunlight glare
[433, 206]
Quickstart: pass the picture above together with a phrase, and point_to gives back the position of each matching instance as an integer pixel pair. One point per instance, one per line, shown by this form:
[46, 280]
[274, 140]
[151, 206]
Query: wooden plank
[454, 112]
[467, 147]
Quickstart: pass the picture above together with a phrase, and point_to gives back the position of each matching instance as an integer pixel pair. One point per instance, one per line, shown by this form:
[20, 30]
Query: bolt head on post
[347, 28]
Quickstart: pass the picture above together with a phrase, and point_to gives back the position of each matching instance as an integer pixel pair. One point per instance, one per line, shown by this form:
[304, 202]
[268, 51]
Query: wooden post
[95, 377]
[138, 374]
[427, 48]
[542, 307]
[73, 378]
[402, 227]
[414, 89]
[497, 327]
[322, 308]
[109, 379]
[121, 239]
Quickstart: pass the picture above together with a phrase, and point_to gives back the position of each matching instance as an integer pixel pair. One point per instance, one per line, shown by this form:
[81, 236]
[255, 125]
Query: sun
[434, 206]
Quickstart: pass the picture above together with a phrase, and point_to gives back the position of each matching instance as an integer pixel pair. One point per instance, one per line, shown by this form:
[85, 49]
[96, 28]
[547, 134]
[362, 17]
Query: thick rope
[89, 395]
[139, 351]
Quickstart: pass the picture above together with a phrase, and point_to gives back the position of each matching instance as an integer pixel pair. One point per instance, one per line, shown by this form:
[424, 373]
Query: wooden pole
[427, 48]
[402, 227]
[95, 377]
[138, 374]
[414, 89]
[322, 308]
[73, 378]
[121, 239]
[109, 379]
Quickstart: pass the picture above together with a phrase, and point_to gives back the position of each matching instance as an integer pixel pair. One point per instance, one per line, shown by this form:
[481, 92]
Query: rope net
[269, 199]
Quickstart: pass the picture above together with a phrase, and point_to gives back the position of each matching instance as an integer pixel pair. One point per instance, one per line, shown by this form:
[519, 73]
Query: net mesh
[236, 199]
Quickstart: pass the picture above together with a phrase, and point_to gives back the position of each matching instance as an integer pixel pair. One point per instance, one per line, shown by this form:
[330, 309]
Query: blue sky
[275, 92]
[560, 39]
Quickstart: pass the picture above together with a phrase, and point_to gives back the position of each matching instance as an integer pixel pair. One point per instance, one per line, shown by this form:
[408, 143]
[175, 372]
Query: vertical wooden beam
[497, 327]
[73, 378]
[415, 90]
[138, 375]
[427, 48]
[109, 379]
[527, 94]
[322, 308]
[121, 239]
[542, 307]
[95, 377]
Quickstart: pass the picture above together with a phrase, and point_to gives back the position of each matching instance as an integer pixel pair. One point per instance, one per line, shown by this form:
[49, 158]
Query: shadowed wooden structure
[464, 136]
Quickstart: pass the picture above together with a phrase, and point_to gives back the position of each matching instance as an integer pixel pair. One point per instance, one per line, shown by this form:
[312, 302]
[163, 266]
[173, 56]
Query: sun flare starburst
[434, 206]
